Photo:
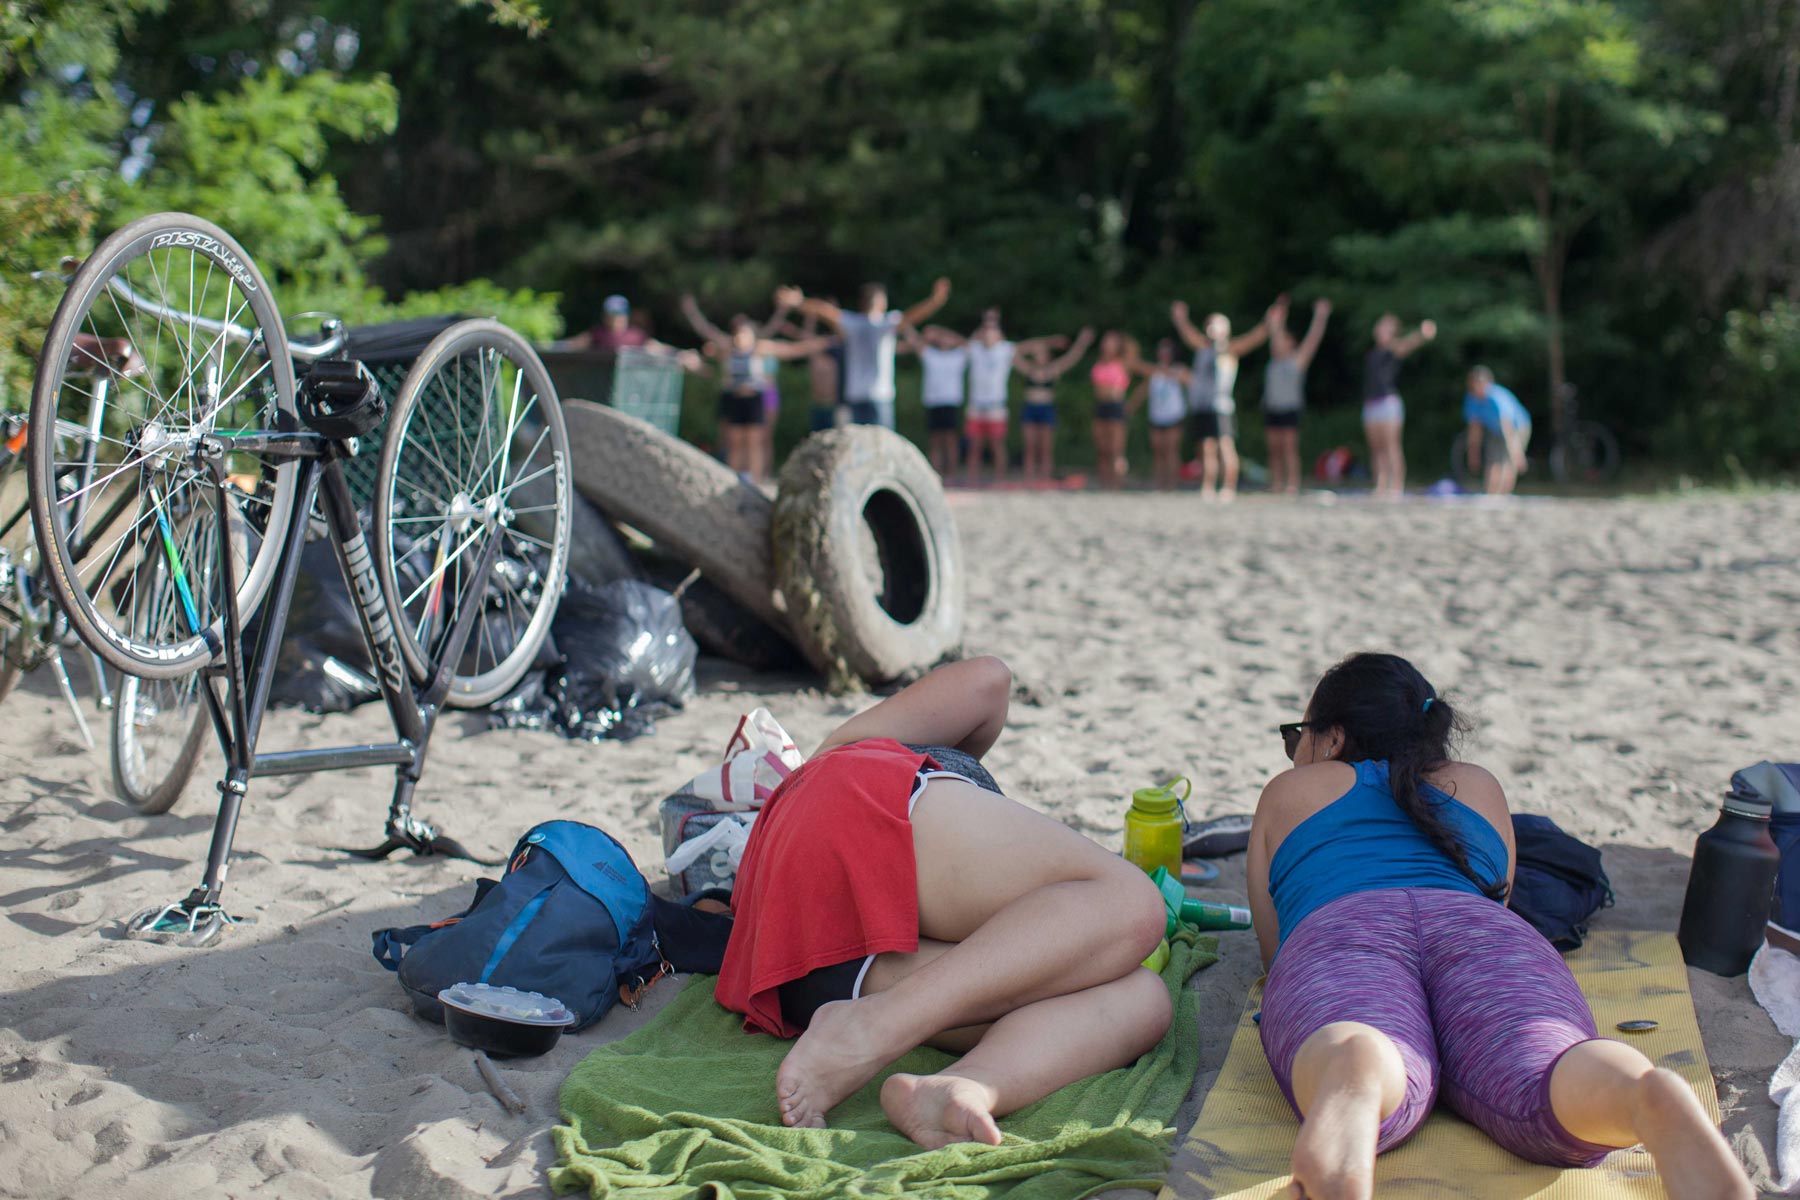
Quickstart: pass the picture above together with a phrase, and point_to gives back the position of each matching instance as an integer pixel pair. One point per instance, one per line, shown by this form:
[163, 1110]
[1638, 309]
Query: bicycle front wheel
[158, 725]
[167, 334]
[475, 449]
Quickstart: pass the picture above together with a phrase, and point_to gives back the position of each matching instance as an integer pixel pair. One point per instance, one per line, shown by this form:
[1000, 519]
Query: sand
[1621, 657]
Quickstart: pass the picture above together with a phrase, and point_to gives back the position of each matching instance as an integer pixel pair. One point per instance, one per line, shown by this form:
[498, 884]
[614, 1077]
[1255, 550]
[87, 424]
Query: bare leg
[1096, 1030]
[1397, 459]
[1607, 1093]
[1209, 468]
[1372, 433]
[754, 441]
[1037, 911]
[1228, 464]
[1347, 1078]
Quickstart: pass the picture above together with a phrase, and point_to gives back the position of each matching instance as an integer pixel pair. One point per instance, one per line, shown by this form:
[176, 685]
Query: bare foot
[1334, 1156]
[936, 1110]
[839, 1052]
[1693, 1159]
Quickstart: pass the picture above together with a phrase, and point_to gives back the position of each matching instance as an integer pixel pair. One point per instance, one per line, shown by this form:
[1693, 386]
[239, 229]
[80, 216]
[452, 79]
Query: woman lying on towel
[1379, 870]
[885, 902]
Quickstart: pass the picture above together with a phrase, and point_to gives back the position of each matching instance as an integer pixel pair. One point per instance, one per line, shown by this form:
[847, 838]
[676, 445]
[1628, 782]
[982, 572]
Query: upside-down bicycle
[209, 465]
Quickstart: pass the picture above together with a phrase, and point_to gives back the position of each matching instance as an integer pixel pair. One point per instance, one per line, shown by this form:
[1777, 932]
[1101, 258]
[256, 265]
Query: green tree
[1498, 131]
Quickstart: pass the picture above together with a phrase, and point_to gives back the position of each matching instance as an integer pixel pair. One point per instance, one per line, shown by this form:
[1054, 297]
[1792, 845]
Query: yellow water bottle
[1154, 827]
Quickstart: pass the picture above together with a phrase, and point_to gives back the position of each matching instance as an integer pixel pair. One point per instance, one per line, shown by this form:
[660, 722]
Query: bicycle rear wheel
[158, 725]
[1589, 454]
[475, 448]
[176, 320]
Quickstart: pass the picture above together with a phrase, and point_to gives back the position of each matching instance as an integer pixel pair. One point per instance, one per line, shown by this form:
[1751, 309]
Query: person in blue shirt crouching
[1499, 429]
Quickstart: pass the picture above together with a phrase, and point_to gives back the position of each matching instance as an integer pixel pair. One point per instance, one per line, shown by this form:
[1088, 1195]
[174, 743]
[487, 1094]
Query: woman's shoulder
[1309, 787]
[1474, 785]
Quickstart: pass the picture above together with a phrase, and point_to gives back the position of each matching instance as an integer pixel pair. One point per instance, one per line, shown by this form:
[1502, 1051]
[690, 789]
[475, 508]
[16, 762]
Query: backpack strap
[390, 945]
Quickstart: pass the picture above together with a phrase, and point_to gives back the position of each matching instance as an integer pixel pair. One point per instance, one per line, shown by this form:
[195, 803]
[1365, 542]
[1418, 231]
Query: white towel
[1775, 981]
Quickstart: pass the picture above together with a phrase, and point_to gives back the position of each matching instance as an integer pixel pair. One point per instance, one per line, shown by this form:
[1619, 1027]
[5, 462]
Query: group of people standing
[967, 386]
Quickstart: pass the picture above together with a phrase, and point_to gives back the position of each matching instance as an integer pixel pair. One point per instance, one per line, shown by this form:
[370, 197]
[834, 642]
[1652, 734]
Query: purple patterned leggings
[1478, 1003]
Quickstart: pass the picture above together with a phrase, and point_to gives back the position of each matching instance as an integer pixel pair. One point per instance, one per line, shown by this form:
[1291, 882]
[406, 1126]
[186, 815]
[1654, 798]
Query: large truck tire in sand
[867, 557]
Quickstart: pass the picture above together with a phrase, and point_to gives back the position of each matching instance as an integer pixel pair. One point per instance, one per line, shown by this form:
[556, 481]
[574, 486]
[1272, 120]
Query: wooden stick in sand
[490, 1075]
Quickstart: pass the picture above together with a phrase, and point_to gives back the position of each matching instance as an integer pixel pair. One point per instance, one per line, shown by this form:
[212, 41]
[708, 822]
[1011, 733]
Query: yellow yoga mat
[1239, 1149]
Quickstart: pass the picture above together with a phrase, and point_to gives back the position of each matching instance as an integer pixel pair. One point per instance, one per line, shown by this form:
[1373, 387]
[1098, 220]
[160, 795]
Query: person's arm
[1178, 312]
[774, 348]
[1134, 399]
[777, 319]
[917, 314]
[962, 704]
[1079, 347]
[945, 335]
[1476, 432]
[1402, 347]
[1256, 870]
[908, 341]
[1046, 344]
[705, 328]
[1250, 339]
[1315, 333]
[822, 310]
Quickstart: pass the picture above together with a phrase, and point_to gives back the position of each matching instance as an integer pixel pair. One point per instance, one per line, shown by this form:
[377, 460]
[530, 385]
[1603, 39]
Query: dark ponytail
[1390, 713]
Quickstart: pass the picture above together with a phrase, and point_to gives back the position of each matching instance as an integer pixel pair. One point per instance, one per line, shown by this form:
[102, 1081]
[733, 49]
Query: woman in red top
[884, 902]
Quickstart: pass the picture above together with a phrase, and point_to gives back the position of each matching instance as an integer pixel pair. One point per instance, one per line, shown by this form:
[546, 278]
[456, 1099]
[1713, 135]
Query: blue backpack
[571, 918]
[1558, 882]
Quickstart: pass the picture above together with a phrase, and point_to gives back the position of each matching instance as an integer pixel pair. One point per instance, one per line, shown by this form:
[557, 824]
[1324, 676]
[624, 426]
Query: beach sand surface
[1621, 659]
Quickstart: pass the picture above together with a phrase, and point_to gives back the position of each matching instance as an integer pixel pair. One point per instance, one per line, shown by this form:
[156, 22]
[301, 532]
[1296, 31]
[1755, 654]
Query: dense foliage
[1603, 191]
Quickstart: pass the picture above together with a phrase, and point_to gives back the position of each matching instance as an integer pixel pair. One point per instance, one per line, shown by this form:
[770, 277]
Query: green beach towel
[685, 1107]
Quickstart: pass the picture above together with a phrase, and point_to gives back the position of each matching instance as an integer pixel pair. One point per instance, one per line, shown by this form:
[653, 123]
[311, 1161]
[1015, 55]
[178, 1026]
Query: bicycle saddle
[91, 355]
[340, 400]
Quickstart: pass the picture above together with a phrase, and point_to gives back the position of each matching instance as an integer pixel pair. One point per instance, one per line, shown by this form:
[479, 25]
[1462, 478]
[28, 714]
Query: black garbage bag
[324, 664]
[627, 660]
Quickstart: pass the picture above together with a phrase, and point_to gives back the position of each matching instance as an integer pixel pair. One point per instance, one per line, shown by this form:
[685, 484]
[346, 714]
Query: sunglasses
[1290, 735]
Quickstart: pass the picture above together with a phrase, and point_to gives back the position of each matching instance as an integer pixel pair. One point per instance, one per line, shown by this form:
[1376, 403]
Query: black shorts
[1109, 410]
[1214, 425]
[739, 408]
[942, 418]
[1494, 450]
[1281, 420]
[823, 417]
[865, 412]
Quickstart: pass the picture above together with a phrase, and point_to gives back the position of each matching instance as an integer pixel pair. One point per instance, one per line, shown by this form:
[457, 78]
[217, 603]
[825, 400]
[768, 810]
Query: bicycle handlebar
[299, 351]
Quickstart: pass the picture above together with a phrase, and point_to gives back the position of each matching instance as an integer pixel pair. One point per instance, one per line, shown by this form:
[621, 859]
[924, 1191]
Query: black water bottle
[1730, 888]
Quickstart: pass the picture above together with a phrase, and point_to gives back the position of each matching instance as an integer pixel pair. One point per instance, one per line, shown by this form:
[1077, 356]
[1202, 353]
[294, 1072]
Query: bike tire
[431, 483]
[1459, 462]
[80, 575]
[1588, 454]
[158, 726]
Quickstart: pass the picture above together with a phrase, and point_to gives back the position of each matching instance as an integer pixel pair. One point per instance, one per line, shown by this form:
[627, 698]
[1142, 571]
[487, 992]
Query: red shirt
[828, 876]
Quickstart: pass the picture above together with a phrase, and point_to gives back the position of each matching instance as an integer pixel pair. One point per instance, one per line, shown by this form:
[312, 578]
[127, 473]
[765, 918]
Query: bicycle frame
[237, 716]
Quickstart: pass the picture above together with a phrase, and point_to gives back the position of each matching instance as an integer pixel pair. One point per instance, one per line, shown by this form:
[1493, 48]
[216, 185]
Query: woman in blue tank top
[1379, 868]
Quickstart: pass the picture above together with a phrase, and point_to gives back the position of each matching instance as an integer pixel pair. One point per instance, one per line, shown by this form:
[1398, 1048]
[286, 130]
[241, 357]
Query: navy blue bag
[1558, 882]
[571, 918]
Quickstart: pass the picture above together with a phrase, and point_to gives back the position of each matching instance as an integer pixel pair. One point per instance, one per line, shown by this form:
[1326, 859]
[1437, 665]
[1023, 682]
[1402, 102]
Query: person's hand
[1428, 329]
[789, 296]
[689, 360]
[940, 289]
[1179, 310]
[1322, 307]
[1087, 331]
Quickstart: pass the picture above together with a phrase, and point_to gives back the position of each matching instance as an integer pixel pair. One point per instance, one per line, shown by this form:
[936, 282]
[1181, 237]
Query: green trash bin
[645, 383]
